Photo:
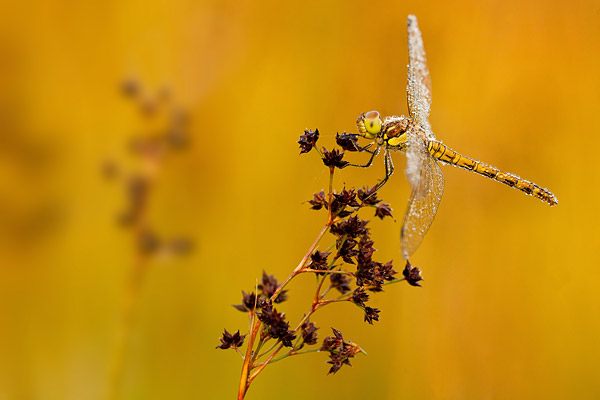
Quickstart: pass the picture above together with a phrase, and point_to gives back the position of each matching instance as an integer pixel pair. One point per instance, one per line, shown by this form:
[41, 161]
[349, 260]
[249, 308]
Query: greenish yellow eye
[372, 123]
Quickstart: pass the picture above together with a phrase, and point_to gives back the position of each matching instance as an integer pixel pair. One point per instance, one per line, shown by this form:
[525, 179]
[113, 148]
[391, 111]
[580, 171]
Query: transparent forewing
[419, 81]
[427, 183]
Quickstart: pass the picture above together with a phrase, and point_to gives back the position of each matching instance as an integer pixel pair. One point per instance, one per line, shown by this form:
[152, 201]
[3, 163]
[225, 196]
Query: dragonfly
[424, 153]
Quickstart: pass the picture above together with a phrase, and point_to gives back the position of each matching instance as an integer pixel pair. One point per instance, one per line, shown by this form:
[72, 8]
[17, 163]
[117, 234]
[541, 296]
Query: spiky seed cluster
[371, 314]
[318, 261]
[340, 351]
[383, 210]
[340, 282]
[359, 296]
[343, 201]
[309, 333]
[368, 196]
[231, 341]
[353, 246]
[275, 324]
[267, 288]
[249, 302]
[353, 243]
[348, 141]
[308, 140]
[334, 158]
[412, 274]
[319, 201]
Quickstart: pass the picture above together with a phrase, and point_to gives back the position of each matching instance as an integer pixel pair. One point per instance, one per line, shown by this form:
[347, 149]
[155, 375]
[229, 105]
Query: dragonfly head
[369, 125]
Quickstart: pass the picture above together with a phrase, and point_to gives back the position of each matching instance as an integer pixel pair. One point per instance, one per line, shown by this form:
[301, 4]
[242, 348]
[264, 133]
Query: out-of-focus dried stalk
[151, 149]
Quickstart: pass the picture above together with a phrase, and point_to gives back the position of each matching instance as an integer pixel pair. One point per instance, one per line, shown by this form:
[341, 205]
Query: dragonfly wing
[419, 81]
[427, 185]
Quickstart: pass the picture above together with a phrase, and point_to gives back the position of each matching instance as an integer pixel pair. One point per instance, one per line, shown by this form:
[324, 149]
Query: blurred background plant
[510, 308]
[163, 134]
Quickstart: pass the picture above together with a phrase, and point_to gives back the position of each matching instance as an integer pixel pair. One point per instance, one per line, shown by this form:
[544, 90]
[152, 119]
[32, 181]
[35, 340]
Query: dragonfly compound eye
[372, 121]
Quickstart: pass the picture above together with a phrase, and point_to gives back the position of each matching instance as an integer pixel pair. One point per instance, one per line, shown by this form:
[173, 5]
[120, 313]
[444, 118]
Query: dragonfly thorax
[391, 132]
[394, 131]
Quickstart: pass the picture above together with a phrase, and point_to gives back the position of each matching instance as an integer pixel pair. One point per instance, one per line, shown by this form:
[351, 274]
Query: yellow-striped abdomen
[445, 154]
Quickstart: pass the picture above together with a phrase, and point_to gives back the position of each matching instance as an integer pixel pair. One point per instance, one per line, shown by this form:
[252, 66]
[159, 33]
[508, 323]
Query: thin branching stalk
[244, 379]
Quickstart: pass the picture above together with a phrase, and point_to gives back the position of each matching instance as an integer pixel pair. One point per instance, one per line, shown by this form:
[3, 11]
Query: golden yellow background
[510, 307]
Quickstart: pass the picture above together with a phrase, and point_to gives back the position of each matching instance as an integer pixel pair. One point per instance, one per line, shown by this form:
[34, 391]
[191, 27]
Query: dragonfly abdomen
[445, 154]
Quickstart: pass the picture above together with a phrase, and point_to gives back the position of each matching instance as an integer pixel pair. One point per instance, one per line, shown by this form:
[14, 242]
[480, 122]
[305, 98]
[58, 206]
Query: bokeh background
[510, 305]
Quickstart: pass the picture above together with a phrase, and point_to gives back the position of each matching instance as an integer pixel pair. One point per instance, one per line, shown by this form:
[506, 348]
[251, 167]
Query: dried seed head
[334, 158]
[308, 140]
[318, 260]
[348, 141]
[340, 351]
[231, 341]
[269, 287]
[412, 274]
[319, 201]
[359, 297]
[309, 333]
[340, 282]
[248, 302]
[275, 324]
[368, 196]
[383, 210]
[371, 314]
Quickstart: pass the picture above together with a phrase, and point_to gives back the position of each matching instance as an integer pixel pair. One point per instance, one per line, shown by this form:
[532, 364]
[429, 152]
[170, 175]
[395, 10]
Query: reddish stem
[245, 379]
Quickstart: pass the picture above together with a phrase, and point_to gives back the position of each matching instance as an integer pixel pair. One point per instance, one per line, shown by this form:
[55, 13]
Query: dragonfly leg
[368, 164]
[365, 148]
[389, 170]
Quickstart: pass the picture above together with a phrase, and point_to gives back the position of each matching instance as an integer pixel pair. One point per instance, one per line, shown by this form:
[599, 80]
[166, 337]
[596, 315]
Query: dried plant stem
[294, 353]
[245, 379]
[248, 358]
[330, 217]
[328, 272]
[130, 299]
[260, 355]
[132, 290]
